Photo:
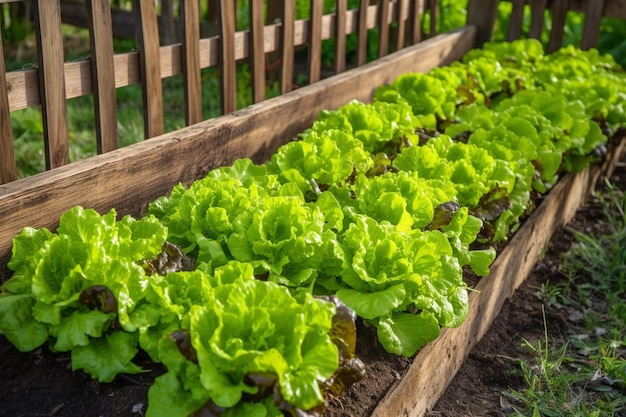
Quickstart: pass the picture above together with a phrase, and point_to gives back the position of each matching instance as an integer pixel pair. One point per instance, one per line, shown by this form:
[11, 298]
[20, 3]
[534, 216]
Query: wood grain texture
[129, 178]
[383, 24]
[257, 50]
[591, 28]
[149, 54]
[192, 84]
[8, 166]
[287, 46]
[103, 74]
[340, 35]
[227, 65]
[51, 82]
[315, 40]
[361, 50]
[436, 364]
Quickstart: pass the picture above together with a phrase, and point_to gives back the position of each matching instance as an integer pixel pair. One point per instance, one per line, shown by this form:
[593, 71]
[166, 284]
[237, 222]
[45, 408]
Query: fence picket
[256, 50]
[52, 82]
[516, 20]
[415, 20]
[8, 165]
[149, 54]
[190, 15]
[315, 40]
[361, 54]
[559, 14]
[383, 24]
[103, 74]
[228, 67]
[537, 16]
[287, 45]
[591, 29]
[340, 35]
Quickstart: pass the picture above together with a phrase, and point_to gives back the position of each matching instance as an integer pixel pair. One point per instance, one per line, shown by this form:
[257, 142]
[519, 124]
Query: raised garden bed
[431, 370]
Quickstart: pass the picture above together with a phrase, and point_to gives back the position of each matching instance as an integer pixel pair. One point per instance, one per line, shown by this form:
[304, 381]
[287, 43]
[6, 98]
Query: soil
[41, 383]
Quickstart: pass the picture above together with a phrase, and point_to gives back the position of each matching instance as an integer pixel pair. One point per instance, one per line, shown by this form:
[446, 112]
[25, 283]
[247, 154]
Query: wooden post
[559, 15]
[516, 20]
[315, 40]
[482, 14]
[340, 35]
[383, 25]
[415, 25]
[537, 17]
[149, 59]
[593, 18]
[228, 67]
[256, 50]
[361, 51]
[103, 73]
[288, 15]
[8, 167]
[190, 16]
[52, 81]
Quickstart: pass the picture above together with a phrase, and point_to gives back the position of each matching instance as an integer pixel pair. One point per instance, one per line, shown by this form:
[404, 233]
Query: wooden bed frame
[128, 178]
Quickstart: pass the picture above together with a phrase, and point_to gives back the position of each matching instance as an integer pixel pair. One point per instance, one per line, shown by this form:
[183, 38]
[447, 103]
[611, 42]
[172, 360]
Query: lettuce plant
[80, 287]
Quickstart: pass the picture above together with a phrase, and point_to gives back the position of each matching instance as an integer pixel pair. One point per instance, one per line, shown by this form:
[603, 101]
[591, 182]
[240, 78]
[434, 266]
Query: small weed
[586, 375]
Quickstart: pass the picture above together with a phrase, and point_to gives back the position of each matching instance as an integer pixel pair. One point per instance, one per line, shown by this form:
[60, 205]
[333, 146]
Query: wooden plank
[516, 20]
[190, 14]
[383, 27]
[591, 29]
[559, 15]
[8, 166]
[361, 50]
[103, 74]
[228, 67]
[149, 53]
[537, 17]
[256, 50]
[401, 19]
[52, 82]
[129, 178]
[340, 35]
[315, 40]
[482, 14]
[287, 46]
[436, 364]
[415, 21]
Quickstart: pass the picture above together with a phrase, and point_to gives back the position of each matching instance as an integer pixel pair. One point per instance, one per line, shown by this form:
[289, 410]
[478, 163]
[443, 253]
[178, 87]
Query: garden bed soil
[41, 383]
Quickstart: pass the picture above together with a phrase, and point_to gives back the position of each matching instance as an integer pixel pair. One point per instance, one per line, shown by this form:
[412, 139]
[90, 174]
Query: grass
[586, 375]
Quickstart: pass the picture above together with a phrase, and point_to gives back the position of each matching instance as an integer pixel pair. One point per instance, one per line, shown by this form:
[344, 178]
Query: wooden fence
[482, 13]
[54, 81]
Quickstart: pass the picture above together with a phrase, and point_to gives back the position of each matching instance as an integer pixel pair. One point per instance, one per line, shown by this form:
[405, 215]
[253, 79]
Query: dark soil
[41, 383]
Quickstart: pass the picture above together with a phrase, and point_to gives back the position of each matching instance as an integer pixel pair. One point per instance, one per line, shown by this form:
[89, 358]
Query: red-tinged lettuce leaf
[443, 215]
[170, 259]
[492, 204]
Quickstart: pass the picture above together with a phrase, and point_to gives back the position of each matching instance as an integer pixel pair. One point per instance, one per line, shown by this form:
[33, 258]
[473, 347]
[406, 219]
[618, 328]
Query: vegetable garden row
[245, 285]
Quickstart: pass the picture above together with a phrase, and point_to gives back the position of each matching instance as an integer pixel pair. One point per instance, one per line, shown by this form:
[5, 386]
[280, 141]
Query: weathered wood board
[437, 363]
[128, 178]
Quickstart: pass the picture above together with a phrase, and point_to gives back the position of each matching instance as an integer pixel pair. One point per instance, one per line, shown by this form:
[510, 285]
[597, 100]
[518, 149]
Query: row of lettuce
[239, 283]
